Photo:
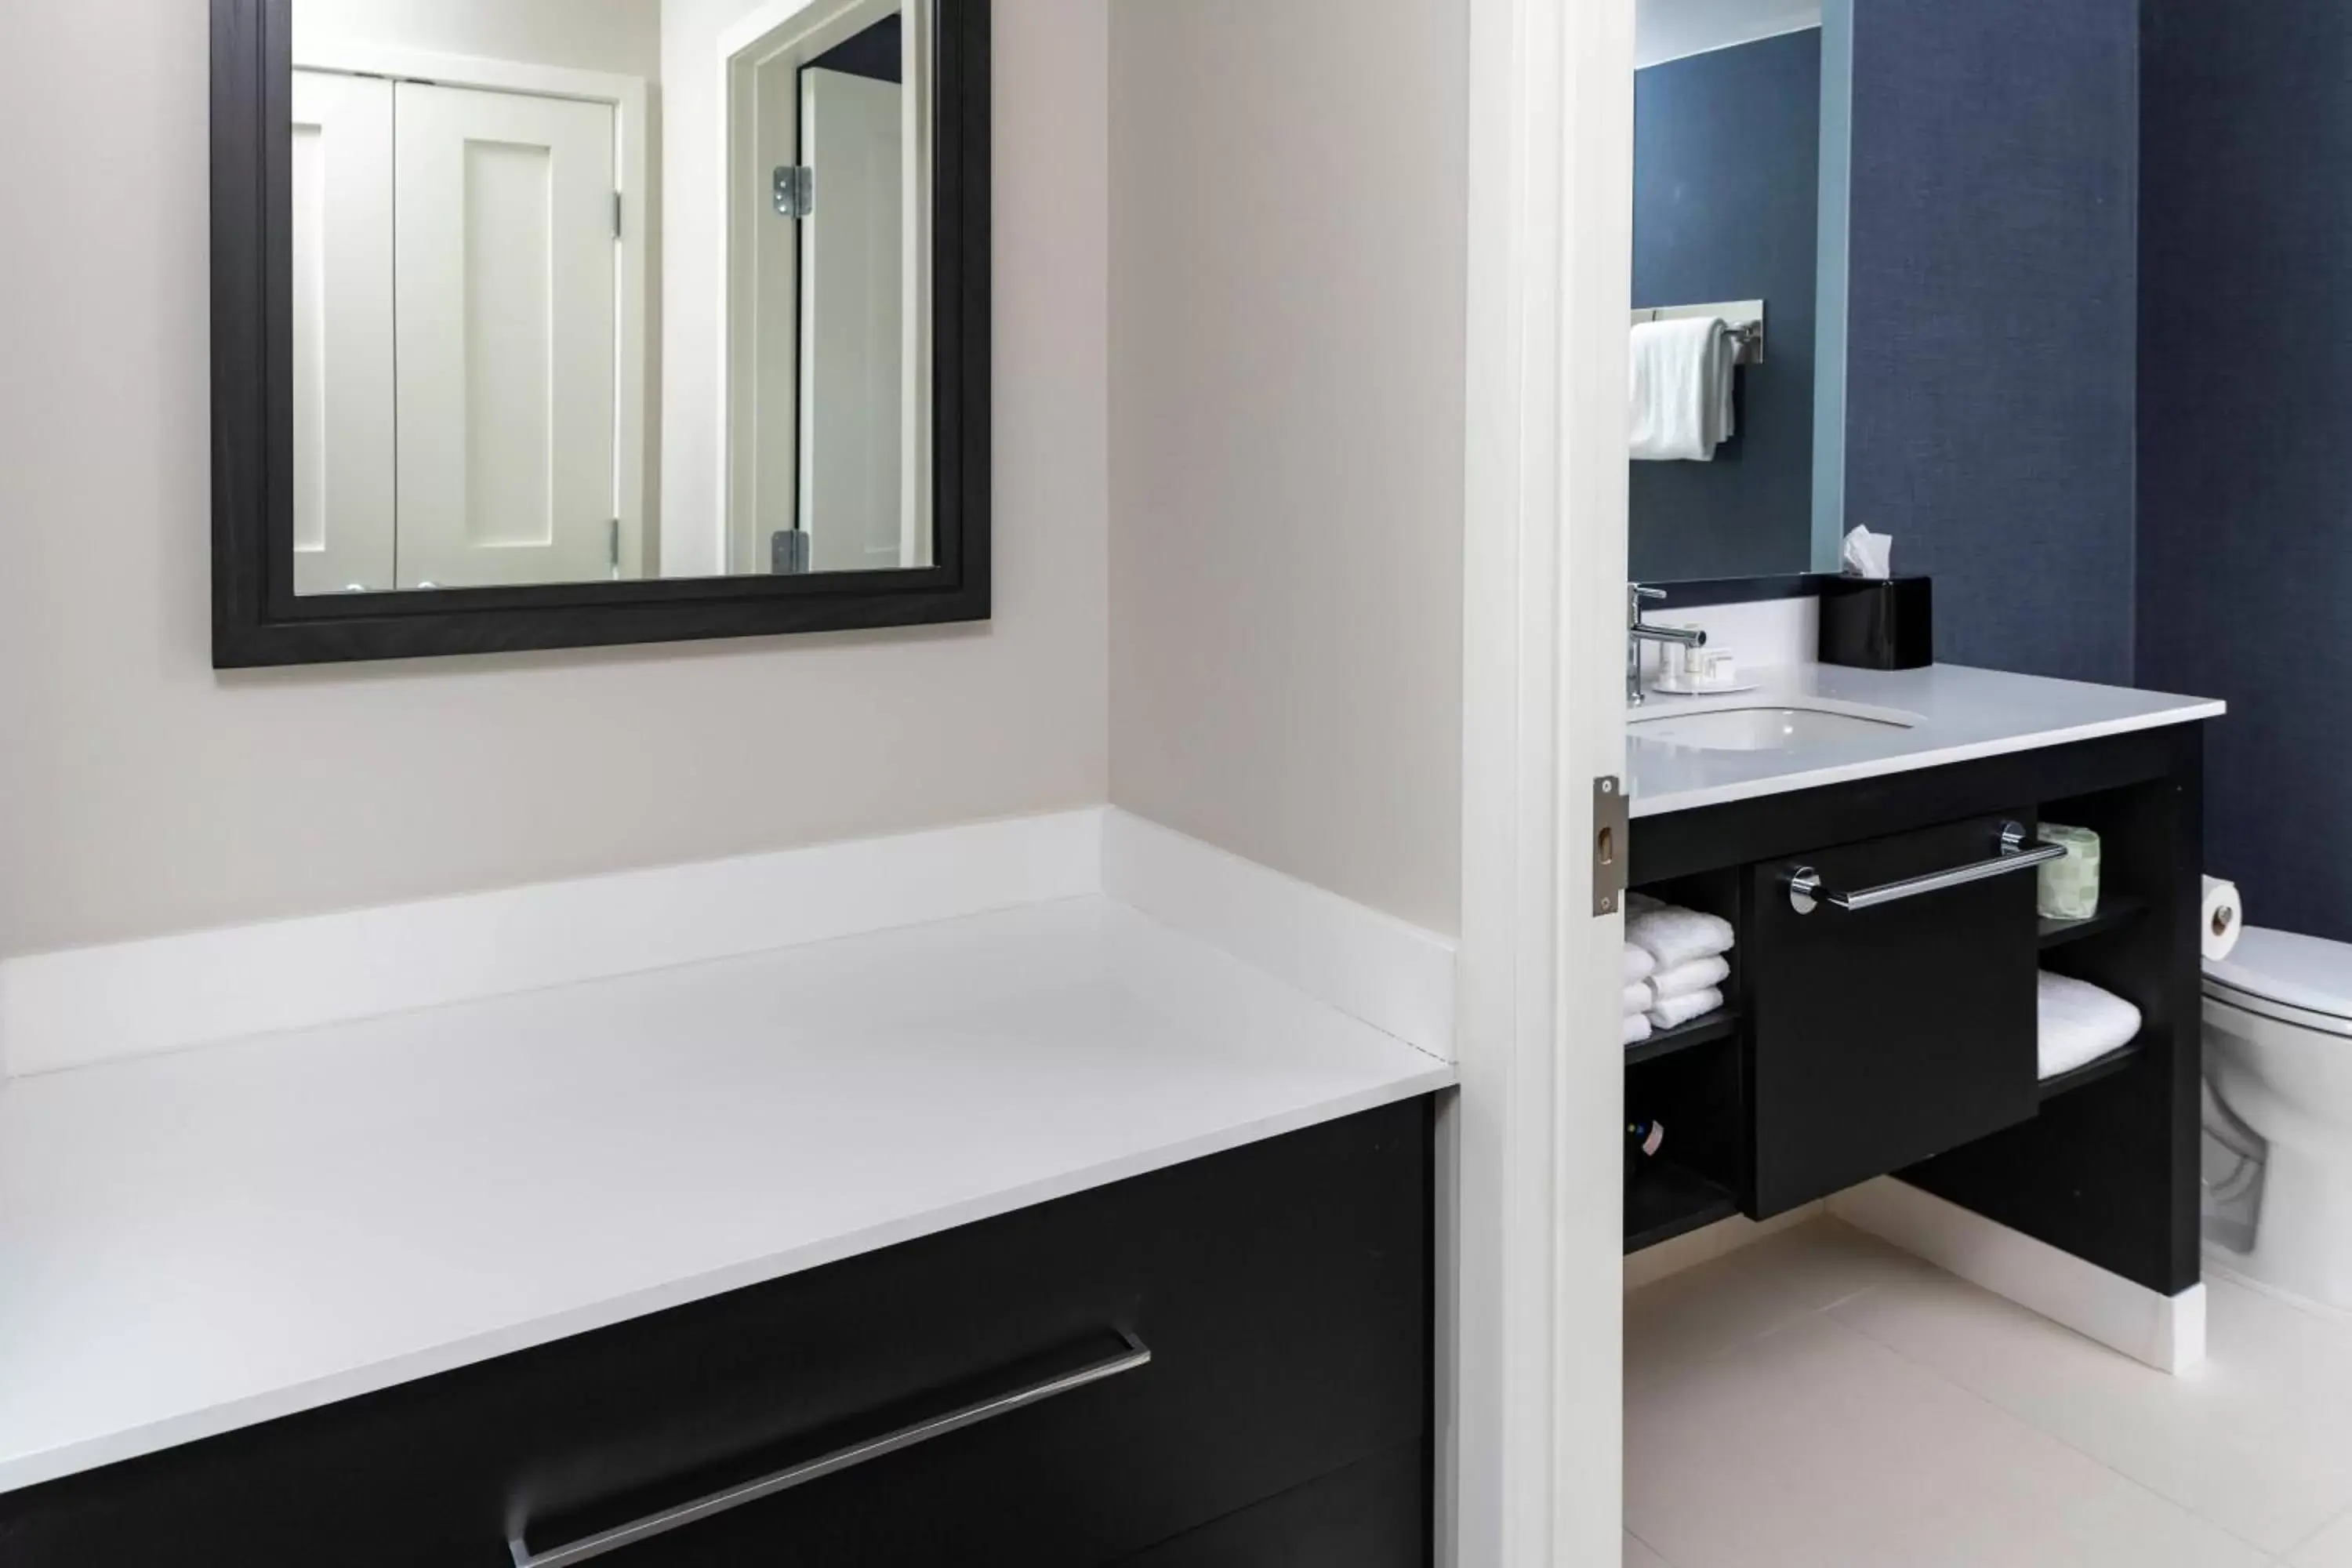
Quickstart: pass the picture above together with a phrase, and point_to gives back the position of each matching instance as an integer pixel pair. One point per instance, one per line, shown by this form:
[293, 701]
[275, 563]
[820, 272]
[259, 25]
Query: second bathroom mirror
[1741, 116]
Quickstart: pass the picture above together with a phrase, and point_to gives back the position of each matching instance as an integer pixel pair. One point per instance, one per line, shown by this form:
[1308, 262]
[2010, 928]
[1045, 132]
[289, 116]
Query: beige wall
[1287, 346]
[618, 36]
[140, 793]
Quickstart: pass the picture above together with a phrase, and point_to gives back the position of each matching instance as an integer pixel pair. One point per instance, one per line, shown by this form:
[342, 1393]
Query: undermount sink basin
[1766, 727]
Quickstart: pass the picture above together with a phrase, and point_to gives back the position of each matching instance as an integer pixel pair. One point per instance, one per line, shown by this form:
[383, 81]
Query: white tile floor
[1822, 1401]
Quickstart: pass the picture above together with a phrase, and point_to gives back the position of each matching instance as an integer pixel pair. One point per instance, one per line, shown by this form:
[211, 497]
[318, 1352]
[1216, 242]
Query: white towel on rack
[2080, 1024]
[1676, 936]
[1639, 965]
[1689, 979]
[1681, 389]
[1674, 1012]
[1637, 1029]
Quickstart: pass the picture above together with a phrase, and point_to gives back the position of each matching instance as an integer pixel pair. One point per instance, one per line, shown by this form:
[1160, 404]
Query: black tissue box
[1872, 623]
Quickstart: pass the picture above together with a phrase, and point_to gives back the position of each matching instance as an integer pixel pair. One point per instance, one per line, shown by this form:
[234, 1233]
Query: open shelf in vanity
[1901, 1039]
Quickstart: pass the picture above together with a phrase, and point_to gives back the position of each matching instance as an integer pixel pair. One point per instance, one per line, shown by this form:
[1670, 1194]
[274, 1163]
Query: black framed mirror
[540, 325]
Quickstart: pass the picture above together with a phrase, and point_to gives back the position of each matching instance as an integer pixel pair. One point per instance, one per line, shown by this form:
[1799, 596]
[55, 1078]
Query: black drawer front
[1883, 1036]
[1375, 1514]
[1283, 1289]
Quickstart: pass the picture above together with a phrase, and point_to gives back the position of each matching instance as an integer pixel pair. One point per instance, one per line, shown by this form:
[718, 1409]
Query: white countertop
[197, 1242]
[1962, 714]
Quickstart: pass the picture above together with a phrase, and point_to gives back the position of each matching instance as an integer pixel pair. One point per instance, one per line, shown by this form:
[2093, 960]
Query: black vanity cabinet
[1886, 1033]
[1899, 1037]
[1227, 1362]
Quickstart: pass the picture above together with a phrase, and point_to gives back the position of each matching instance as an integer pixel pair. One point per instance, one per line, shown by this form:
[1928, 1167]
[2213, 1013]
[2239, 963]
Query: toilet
[2278, 1055]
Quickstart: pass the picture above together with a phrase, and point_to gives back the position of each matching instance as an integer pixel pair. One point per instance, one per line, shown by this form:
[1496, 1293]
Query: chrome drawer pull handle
[1136, 1354]
[1806, 893]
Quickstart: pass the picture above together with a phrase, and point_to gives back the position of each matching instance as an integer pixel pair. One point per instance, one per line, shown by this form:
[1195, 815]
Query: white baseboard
[1393, 975]
[71, 1009]
[2167, 1333]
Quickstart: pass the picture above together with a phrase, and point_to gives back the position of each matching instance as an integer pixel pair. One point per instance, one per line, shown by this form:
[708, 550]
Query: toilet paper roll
[2221, 919]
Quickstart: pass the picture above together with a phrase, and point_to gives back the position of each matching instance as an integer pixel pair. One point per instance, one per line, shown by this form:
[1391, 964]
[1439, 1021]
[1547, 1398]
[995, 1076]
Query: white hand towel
[1676, 936]
[1689, 979]
[1681, 390]
[1674, 1012]
[2081, 1023]
[1641, 904]
[1639, 965]
[1640, 998]
[1637, 1029]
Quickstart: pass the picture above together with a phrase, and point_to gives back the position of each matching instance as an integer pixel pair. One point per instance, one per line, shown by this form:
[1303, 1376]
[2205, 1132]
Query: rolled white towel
[2080, 1024]
[1640, 998]
[1639, 965]
[1641, 904]
[1637, 1029]
[1676, 936]
[1687, 978]
[1674, 1012]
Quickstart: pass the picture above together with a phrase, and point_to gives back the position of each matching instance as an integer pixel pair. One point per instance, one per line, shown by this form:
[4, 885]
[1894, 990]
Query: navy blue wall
[2246, 430]
[1991, 378]
[1727, 193]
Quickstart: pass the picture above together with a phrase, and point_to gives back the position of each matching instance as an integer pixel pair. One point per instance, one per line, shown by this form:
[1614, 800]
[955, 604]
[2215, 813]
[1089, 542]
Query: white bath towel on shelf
[1676, 936]
[1637, 1029]
[2080, 1024]
[1640, 997]
[1639, 965]
[1681, 389]
[1689, 979]
[1674, 1012]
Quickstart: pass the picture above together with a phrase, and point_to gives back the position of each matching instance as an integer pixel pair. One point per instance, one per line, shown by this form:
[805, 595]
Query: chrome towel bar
[1807, 894]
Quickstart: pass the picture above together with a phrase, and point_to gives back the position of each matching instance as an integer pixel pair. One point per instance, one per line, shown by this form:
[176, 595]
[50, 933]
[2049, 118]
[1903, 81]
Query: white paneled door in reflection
[506, 276]
[343, 503]
[851, 304]
[456, 276]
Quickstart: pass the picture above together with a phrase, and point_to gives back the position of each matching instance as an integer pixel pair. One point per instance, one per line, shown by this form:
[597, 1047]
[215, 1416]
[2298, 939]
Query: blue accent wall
[1726, 150]
[2245, 566]
[1991, 374]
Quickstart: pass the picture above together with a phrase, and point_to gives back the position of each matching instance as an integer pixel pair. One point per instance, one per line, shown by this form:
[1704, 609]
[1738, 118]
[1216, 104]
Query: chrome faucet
[1638, 631]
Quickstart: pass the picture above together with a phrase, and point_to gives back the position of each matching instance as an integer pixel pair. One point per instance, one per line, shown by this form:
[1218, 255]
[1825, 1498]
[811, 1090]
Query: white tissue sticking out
[1869, 555]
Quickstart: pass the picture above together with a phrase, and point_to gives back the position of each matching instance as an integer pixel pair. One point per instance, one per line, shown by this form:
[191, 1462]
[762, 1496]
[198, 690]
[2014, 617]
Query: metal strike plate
[1611, 844]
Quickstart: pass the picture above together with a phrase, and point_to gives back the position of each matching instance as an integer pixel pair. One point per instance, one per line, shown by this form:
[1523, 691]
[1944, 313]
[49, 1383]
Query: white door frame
[631, 100]
[1531, 1461]
[805, 29]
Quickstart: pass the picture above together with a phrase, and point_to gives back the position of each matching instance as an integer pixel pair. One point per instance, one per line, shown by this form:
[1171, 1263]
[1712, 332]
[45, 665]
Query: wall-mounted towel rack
[1744, 317]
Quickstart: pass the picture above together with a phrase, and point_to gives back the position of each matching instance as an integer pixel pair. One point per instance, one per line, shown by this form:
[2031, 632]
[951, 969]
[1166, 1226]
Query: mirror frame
[258, 619]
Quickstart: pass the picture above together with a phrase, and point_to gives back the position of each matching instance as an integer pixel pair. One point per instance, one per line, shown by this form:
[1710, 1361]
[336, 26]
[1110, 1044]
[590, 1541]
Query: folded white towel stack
[2081, 1023]
[1681, 389]
[1639, 965]
[1674, 1012]
[1687, 967]
[1676, 936]
[1690, 978]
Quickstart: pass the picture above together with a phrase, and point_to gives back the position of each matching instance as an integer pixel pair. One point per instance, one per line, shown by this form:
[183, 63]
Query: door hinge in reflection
[1611, 825]
[788, 553]
[796, 191]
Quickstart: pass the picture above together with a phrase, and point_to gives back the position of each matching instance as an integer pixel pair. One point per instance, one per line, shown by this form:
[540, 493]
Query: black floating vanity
[1900, 1037]
[1227, 1360]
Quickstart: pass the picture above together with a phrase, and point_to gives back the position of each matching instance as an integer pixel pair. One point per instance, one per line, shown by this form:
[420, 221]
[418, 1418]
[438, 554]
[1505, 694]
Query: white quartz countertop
[1960, 713]
[196, 1242]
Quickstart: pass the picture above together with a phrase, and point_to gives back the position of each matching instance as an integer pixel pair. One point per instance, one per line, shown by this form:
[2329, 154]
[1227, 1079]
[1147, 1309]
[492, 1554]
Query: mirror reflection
[1738, 274]
[590, 291]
